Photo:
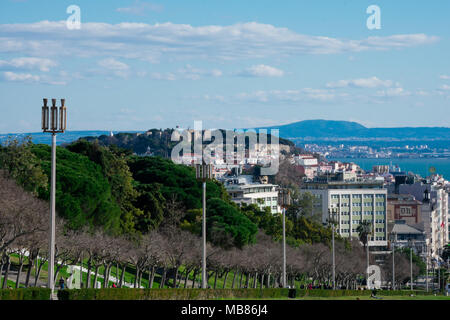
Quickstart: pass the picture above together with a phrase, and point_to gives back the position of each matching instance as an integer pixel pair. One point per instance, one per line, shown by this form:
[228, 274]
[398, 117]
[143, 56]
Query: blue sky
[136, 65]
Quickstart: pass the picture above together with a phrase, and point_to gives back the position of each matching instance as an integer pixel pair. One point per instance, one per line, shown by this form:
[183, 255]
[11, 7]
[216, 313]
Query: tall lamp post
[53, 121]
[332, 221]
[203, 173]
[393, 239]
[411, 243]
[284, 199]
[426, 263]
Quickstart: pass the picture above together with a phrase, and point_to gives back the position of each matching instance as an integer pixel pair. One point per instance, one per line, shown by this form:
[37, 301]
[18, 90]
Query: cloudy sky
[135, 65]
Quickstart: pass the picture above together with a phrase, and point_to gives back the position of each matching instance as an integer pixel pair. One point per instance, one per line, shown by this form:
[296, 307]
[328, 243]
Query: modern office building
[351, 200]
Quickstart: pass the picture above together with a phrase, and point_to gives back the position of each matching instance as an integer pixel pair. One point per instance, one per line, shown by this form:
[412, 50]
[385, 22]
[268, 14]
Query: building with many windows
[351, 200]
[242, 189]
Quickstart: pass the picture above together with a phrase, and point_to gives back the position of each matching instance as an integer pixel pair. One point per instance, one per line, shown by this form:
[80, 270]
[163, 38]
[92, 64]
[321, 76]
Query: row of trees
[169, 254]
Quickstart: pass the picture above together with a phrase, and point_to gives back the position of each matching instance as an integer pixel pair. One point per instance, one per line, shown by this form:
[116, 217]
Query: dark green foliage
[227, 226]
[22, 165]
[177, 181]
[115, 169]
[151, 204]
[25, 294]
[299, 229]
[83, 194]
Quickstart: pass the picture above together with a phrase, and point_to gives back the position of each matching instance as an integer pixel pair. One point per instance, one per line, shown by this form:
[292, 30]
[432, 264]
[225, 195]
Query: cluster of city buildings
[351, 150]
[404, 210]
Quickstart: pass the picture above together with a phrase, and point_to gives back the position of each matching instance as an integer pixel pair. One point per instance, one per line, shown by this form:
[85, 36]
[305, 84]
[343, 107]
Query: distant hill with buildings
[337, 130]
[152, 142]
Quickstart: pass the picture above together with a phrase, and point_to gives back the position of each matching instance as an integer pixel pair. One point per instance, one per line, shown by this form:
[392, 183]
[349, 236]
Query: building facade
[351, 202]
[242, 189]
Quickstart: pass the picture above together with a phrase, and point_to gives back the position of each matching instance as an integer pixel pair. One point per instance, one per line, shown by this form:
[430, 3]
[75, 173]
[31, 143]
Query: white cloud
[372, 82]
[261, 70]
[152, 42]
[291, 96]
[140, 7]
[30, 78]
[163, 76]
[22, 77]
[445, 87]
[112, 67]
[188, 72]
[392, 92]
[444, 77]
[113, 64]
[28, 63]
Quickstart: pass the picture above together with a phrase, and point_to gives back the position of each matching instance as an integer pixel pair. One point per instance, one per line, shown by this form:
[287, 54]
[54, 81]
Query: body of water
[419, 166]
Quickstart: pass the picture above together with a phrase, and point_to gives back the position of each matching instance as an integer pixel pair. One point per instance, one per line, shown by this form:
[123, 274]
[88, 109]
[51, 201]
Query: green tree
[22, 165]
[227, 226]
[83, 194]
[364, 229]
[115, 168]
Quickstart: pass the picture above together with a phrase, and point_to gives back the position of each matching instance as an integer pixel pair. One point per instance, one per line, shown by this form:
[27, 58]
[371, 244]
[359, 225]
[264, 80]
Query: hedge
[169, 294]
[343, 293]
[25, 294]
[212, 294]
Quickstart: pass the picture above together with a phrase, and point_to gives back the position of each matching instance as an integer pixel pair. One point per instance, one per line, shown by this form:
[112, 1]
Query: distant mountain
[327, 129]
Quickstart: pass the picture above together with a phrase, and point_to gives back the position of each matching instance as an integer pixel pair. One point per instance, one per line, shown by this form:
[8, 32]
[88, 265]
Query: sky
[137, 65]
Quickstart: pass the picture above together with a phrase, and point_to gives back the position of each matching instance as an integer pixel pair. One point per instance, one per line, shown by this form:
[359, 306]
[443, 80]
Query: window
[274, 198]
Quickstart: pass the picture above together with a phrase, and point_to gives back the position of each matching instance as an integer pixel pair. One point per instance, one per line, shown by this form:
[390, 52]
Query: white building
[242, 189]
[434, 194]
[352, 201]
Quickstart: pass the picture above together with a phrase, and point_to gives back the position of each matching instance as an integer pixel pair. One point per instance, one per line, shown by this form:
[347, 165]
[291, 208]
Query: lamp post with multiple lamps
[284, 199]
[204, 172]
[53, 121]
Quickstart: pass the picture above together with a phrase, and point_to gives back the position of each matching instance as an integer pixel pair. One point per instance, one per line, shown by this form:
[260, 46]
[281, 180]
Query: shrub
[25, 294]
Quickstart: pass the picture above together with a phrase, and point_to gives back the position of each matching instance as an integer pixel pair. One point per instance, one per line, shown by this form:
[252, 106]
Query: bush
[25, 294]
[213, 294]
[169, 294]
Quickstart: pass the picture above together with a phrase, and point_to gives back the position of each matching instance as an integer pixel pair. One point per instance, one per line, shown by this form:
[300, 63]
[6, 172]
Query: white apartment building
[242, 189]
[351, 201]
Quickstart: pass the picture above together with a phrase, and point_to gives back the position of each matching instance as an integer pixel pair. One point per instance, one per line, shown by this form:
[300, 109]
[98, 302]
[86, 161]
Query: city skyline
[136, 65]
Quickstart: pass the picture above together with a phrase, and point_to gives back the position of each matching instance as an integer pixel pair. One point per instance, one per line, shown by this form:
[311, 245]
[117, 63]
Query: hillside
[327, 129]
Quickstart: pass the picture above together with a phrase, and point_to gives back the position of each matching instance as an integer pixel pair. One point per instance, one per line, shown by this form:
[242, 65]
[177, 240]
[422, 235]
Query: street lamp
[393, 239]
[332, 221]
[53, 121]
[284, 199]
[411, 243]
[204, 172]
[426, 263]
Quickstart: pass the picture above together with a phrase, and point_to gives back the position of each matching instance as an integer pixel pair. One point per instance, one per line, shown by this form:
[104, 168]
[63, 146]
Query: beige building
[352, 201]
